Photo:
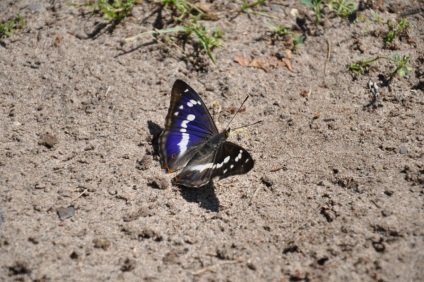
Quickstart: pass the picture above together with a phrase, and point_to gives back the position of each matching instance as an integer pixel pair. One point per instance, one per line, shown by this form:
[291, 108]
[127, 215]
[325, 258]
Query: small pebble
[267, 181]
[403, 150]
[251, 265]
[65, 213]
[159, 183]
[49, 140]
[101, 243]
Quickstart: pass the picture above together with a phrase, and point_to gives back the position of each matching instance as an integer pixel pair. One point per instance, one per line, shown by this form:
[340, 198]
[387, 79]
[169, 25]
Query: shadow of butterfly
[191, 142]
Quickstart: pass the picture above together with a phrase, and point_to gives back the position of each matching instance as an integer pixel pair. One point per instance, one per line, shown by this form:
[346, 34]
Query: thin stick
[254, 194]
[79, 196]
[279, 168]
[328, 57]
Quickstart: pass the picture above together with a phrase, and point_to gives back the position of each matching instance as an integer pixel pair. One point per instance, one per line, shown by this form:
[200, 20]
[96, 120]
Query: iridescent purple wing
[188, 125]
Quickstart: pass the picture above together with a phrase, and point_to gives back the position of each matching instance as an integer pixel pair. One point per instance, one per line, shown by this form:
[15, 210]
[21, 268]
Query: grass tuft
[113, 11]
[401, 65]
[7, 28]
[395, 31]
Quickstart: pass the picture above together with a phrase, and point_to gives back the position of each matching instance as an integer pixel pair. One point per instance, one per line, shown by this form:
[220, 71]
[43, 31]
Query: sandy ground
[336, 193]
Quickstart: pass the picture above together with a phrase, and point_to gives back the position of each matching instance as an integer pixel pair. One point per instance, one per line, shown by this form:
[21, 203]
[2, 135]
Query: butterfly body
[191, 142]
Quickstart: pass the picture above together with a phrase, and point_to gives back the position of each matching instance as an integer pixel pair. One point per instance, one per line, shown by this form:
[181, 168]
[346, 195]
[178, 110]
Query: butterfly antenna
[237, 111]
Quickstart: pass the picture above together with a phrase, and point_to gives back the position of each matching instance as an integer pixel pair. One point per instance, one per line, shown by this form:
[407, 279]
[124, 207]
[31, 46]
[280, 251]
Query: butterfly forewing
[188, 124]
[185, 101]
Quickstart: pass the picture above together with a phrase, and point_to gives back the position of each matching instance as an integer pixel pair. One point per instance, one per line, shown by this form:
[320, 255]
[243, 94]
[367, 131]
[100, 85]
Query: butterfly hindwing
[198, 171]
[188, 124]
[228, 159]
[232, 159]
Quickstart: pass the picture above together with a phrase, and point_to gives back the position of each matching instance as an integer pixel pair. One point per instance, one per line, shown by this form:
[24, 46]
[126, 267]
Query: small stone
[190, 240]
[298, 276]
[379, 246]
[279, 55]
[294, 12]
[49, 140]
[101, 244]
[159, 183]
[403, 150]
[251, 265]
[147, 233]
[65, 213]
[267, 181]
[386, 213]
[389, 192]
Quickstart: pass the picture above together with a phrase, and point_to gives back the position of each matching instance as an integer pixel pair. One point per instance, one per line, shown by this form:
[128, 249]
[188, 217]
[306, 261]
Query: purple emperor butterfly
[191, 142]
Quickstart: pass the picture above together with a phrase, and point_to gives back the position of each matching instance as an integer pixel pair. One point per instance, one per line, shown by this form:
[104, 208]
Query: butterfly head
[227, 133]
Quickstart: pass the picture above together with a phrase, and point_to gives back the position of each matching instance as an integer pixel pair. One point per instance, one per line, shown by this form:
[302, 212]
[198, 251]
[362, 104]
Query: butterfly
[192, 142]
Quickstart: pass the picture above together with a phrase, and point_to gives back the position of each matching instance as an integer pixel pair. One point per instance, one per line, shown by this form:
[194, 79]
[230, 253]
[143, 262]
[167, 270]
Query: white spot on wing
[189, 118]
[181, 107]
[202, 167]
[184, 123]
[231, 166]
[189, 104]
[239, 156]
[226, 160]
[183, 143]
[185, 136]
[186, 90]
[176, 114]
[225, 171]
[246, 160]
